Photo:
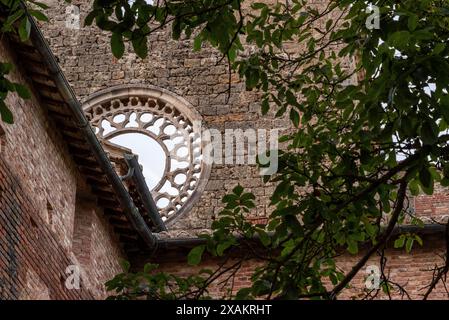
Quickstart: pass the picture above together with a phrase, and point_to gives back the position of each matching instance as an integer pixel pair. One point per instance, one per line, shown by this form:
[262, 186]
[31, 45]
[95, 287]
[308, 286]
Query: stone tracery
[167, 119]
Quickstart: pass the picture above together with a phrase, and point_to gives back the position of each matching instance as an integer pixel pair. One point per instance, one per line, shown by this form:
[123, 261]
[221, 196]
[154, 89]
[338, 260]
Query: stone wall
[39, 184]
[199, 77]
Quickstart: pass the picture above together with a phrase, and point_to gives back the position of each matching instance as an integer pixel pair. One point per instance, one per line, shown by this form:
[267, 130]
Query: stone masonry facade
[89, 65]
[48, 219]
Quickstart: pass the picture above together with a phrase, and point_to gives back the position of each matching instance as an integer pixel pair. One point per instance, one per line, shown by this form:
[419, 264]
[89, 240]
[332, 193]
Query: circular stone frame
[165, 109]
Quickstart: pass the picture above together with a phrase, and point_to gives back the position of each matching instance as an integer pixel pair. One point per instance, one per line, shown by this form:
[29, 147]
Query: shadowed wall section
[38, 186]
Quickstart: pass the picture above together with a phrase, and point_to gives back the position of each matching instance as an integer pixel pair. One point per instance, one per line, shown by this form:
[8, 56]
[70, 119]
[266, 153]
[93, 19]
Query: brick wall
[223, 285]
[38, 187]
[32, 261]
[412, 271]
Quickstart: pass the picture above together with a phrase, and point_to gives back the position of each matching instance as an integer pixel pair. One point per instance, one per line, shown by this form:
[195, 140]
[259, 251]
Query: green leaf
[194, 257]
[429, 132]
[329, 24]
[425, 177]
[24, 29]
[353, 247]
[222, 247]
[399, 242]
[399, 39]
[265, 106]
[291, 99]
[40, 4]
[238, 190]
[371, 230]
[7, 26]
[197, 42]
[439, 48]
[294, 117]
[423, 34]
[90, 18]
[412, 22]
[140, 47]
[419, 240]
[5, 68]
[258, 5]
[264, 238]
[230, 198]
[414, 187]
[125, 265]
[38, 15]
[22, 91]
[5, 113]
[149, 267]
[409, 245]
[243, 294]
[117, 45]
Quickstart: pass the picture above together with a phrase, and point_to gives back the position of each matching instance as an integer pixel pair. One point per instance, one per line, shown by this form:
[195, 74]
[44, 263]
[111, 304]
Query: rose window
[164, 131]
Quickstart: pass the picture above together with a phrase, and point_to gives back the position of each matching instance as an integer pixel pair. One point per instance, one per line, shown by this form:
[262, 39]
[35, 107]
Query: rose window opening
[164, 131]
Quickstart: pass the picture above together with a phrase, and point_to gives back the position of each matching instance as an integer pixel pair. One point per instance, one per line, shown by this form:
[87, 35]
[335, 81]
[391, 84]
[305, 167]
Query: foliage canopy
[363, 136]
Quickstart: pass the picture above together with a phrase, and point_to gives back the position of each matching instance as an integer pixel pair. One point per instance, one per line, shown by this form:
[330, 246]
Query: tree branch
[382, 240]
